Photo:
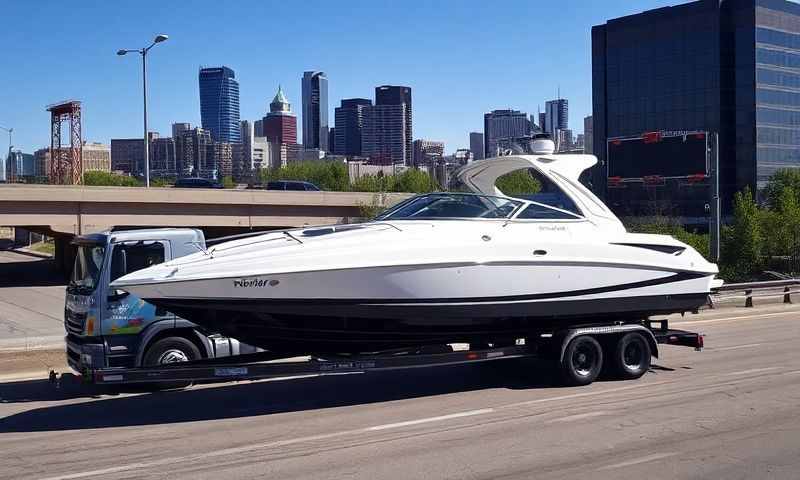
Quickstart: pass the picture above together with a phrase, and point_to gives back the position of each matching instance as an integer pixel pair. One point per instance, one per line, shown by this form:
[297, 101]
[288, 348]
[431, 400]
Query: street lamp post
[143, 53]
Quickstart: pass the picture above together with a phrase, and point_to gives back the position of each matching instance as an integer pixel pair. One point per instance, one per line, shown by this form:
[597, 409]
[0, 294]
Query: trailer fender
[609, 330]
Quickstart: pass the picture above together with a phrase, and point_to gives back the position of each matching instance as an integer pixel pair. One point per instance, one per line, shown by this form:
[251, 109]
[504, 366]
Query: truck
[107, 328]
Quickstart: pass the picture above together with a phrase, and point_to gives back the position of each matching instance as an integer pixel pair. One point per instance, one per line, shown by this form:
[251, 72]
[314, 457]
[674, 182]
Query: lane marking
[430, 419]
[753, 370]
[261, 446]
[736, 347]
[740, 317]
[637, 461]
[575, 418]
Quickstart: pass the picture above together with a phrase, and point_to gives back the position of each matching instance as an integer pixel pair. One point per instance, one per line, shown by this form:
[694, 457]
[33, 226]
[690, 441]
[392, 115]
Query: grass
[47, 247]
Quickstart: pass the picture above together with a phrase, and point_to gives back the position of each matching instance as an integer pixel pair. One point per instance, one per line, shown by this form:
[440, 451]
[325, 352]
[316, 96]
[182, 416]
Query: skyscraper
[427, 152]
[349, 118]
[398, 95]
[280, 124]
[728, 67]
[476, 145]
[179, 128]
[315, 110]
[219, 103]
[503, 125]
[383, 137]
[127, 154]
[556, 116]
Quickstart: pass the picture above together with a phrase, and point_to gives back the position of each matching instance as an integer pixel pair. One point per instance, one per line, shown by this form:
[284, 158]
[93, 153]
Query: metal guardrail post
[748, 298]
[787, 295]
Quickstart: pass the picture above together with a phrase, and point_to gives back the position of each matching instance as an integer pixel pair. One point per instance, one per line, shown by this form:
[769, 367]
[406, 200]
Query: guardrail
[750, 290]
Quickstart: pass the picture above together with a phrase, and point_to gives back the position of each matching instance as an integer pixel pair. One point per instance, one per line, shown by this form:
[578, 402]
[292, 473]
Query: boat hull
[352, 326]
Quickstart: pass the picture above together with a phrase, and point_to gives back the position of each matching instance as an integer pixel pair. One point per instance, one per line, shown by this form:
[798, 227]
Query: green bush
[325, 175]
[162, 181]
[334, 176]
[106, 179]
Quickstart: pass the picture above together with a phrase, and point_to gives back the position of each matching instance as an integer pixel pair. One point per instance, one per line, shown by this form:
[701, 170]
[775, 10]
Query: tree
[518, 182]
[661, 225]
[415, 181]
[743, 242]
[787, 179]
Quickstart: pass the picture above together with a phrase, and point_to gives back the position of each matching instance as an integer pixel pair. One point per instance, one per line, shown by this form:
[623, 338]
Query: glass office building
[729, 66]
[219, 104]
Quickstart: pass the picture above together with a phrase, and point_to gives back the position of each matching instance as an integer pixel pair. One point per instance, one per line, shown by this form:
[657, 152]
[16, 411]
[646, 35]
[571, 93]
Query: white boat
[437, 268]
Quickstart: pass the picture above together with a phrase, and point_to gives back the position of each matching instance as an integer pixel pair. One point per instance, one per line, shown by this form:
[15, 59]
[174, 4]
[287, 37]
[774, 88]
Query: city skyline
[110, 89]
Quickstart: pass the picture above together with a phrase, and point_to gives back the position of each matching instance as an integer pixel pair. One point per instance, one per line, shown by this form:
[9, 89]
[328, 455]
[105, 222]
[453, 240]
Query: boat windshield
[452, 205]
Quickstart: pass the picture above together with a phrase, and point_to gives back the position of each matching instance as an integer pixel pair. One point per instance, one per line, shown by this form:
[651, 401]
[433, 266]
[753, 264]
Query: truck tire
[582, 361]
[631, 356]
[171, 350]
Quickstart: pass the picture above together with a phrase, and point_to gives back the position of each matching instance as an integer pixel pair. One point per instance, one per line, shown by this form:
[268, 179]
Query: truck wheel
[582, 361]
[171, 350]
[631, 356]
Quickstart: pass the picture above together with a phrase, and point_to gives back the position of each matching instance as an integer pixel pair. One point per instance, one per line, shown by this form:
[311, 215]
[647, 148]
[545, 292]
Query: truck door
[126, 313]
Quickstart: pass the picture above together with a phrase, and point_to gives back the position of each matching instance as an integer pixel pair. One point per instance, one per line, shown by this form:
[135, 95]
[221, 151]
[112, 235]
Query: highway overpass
[64, 211]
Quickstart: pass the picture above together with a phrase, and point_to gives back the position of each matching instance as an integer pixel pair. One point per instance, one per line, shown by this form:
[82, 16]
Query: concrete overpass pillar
[64, 255]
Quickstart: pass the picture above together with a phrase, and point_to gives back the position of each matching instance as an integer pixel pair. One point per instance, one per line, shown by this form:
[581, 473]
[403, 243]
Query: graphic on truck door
[126, 313]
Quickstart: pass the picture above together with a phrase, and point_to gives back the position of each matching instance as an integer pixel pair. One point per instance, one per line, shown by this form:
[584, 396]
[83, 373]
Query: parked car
[197, 183]
[292, 185]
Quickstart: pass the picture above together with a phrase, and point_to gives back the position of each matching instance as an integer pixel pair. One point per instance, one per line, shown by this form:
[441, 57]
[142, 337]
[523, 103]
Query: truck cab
[109, 328]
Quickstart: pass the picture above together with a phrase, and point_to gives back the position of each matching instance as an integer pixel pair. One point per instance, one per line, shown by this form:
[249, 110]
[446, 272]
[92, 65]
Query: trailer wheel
[582, 361]
[631, 357]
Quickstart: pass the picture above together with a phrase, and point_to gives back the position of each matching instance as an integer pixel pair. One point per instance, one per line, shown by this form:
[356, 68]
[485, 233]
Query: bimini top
[562, 170]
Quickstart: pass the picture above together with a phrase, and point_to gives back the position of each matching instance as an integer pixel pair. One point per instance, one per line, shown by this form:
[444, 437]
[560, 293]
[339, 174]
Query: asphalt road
[731, 411]
[31, 301]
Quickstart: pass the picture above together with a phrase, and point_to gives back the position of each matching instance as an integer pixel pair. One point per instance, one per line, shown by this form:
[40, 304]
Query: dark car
[197, 183]
[295, 185]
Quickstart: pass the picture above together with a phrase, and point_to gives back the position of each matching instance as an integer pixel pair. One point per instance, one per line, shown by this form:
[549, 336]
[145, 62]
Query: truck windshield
[88, 265]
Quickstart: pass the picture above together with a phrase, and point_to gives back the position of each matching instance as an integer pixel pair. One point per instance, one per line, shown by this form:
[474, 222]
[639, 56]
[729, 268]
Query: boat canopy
[480, 176]
[562, 170]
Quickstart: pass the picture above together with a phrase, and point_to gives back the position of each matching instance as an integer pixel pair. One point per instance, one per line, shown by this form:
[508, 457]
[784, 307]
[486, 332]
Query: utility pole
[714, 210]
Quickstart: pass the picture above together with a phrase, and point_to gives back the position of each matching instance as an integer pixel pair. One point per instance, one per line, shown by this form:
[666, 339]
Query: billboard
[658, 154]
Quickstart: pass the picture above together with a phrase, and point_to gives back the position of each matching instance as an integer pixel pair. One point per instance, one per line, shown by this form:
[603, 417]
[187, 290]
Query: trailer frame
[264, 365]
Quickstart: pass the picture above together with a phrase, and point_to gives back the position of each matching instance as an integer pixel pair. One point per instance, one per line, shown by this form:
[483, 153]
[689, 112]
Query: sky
[461, 59]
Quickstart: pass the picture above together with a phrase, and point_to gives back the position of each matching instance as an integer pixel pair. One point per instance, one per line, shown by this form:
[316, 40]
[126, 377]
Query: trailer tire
[631, 357]
[582, 361]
